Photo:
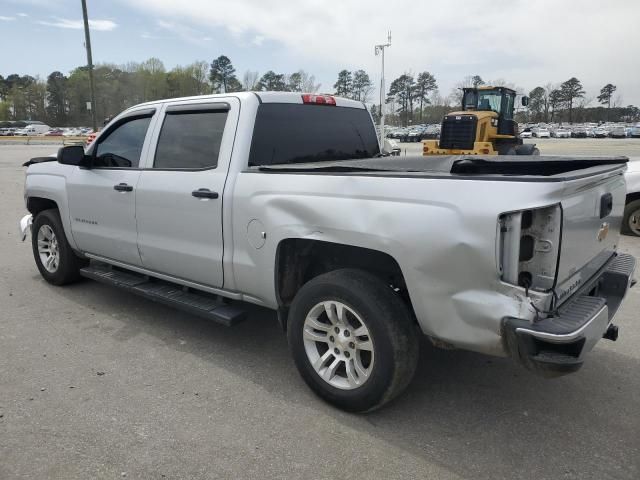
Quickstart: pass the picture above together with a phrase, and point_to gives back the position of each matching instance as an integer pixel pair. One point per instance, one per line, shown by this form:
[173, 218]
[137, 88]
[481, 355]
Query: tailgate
[592, 209]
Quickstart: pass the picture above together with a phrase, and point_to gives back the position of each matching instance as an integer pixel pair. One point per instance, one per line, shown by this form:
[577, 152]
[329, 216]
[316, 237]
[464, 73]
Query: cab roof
[489, 87]
[263, 97]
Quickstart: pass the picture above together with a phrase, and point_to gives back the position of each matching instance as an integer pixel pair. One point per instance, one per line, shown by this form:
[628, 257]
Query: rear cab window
[190, 137]
[287, 133]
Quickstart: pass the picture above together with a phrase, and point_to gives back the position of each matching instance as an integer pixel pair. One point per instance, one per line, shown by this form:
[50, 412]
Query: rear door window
[297, 133]
[190, 139]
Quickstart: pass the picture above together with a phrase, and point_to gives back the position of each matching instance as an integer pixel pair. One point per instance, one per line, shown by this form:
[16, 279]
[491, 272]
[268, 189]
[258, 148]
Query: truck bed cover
[506, 167]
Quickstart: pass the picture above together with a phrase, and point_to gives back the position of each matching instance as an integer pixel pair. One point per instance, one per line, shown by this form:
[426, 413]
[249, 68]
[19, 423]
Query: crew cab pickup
[285, 200]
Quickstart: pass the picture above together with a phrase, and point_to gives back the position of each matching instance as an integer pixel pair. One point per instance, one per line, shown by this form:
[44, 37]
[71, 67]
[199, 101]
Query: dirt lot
[97, 383]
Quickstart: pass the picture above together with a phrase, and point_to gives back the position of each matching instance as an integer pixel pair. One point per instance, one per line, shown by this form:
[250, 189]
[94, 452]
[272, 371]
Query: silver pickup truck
[286, 201]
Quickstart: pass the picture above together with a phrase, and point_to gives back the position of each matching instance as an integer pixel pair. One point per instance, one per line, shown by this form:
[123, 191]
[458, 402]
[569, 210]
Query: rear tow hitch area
[558, 344]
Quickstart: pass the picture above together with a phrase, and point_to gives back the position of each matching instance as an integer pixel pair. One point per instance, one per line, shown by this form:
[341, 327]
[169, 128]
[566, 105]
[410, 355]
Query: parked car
[356, 253]
[579, 132]
[541, 132]
[619, 131]
[526, 133]
[635, 132]
[431, 132]
[600, 132]
[561, 132]
[54, 132]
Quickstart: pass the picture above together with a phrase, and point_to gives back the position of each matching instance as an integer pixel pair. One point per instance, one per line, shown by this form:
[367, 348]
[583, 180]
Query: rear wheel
[527, 149]
[56, 261]
[631, 219]
[353, 339]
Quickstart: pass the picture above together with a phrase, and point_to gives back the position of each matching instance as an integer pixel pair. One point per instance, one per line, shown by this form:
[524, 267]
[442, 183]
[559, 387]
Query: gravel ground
[98, 383]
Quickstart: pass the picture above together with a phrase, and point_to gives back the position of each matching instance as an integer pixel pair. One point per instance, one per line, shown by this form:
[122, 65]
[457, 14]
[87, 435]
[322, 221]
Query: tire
[48, 232]
[631, 211]
[527, 149]
[389, 352]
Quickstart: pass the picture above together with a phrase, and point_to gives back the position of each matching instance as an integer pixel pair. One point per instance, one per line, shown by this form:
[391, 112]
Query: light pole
[87, 44]
[380, 50]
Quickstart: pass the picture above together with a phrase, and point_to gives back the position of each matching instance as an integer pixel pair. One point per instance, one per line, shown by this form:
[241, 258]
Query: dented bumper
[25, 226]
[558, 344]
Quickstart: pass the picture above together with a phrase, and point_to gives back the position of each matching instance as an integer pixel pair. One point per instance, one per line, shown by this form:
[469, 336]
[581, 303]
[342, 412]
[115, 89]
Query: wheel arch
[46, 200]
[35, 205]
[299, 260]
[632, 197]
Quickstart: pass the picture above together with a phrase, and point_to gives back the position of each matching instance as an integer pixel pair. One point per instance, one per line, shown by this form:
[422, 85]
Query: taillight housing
[529, 247]
[314, 99]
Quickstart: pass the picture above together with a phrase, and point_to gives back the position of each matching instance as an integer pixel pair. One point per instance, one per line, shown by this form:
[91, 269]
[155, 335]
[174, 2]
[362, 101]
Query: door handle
[204, 193]
[123, 187]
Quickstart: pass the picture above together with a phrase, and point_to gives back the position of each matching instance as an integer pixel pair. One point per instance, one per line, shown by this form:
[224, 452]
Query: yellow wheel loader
[485, 126]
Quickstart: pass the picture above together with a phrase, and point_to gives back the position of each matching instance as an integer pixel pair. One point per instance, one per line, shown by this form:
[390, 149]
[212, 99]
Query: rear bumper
[558, 345]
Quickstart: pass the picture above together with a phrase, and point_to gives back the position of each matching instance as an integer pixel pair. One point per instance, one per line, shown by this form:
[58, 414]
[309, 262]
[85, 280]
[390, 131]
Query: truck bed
[507, 167]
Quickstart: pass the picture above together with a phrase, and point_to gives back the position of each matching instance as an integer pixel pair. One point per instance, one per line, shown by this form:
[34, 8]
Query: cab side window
[123, 146]
[190, 140]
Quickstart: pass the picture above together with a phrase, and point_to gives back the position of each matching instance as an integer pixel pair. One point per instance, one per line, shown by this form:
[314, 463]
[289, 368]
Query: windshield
[297, 133]
[490, 101]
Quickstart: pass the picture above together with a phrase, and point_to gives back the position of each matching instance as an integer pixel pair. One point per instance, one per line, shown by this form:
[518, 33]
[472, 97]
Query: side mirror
[72, 155]
[525, 101]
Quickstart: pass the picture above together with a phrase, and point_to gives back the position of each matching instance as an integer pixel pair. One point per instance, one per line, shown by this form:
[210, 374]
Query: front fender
[51, 187]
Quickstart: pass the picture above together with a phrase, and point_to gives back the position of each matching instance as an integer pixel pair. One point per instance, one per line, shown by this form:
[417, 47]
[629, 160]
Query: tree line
[568, 102]
[61, 100]
[413, 100]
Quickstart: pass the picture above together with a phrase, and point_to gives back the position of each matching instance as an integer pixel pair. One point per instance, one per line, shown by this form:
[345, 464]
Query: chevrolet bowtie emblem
[603, 232]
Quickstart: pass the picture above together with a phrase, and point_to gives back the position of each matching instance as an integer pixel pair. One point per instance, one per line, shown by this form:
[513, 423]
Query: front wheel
[353, 339]
[57, 262]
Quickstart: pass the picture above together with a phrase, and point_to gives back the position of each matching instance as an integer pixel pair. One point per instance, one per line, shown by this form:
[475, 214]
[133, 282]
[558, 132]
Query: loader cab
[499, 100]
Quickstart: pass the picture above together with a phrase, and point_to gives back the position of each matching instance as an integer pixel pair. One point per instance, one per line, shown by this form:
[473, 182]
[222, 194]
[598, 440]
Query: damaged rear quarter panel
[441, 232]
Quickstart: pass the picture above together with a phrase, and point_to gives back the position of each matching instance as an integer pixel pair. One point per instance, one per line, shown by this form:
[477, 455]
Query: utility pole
[380, 50]
[87, 44]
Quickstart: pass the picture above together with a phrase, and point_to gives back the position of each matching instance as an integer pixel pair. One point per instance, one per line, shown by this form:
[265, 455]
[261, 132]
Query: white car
[526, 133]
[600, 132]
[619, 131]
[541, 133]
[561, 132]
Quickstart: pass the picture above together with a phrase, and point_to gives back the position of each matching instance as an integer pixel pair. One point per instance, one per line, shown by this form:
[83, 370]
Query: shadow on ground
[478, 416]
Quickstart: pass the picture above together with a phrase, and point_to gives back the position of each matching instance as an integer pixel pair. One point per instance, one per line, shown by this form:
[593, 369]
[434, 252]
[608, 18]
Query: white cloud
[186, 33]
[526, 42]
[6, 19]
[97, 25]
[22, 15]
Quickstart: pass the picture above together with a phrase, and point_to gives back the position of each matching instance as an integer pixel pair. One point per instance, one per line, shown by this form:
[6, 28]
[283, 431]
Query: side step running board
[197, 303]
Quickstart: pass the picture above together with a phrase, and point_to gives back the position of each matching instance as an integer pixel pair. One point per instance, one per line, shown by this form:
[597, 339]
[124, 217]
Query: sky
[524, 42]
